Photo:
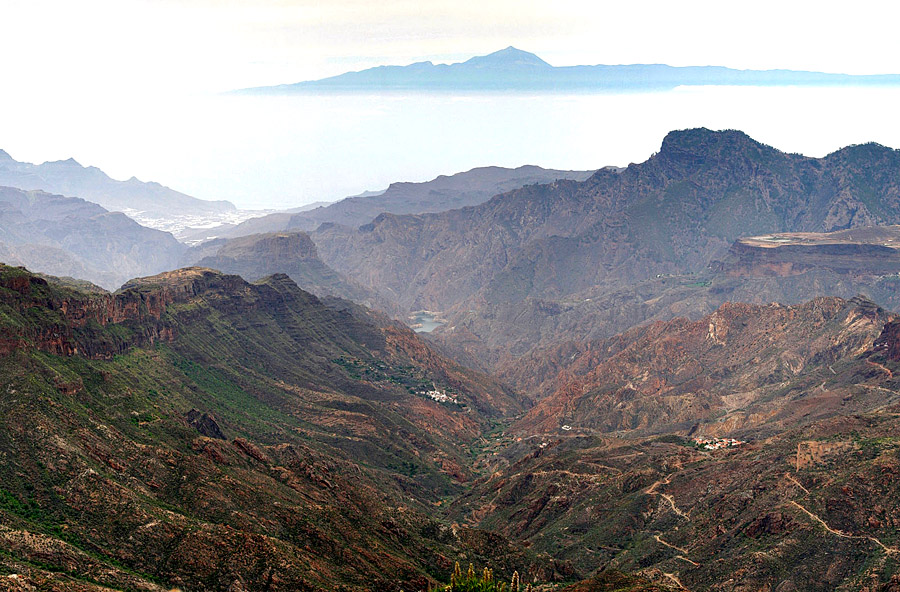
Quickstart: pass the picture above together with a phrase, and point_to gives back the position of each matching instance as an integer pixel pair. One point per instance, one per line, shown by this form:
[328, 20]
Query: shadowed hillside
[672, 214]
[291, 253]
[202, 432]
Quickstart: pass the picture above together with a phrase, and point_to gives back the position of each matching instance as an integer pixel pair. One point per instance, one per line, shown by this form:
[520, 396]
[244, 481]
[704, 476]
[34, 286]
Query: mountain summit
[507, 58]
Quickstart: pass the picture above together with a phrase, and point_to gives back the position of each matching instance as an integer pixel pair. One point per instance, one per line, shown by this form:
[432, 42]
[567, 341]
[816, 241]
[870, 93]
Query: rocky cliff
[291, 253]
[866, 251]
[674, 213]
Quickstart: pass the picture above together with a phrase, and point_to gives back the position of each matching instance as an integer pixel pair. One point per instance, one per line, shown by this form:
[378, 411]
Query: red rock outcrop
[141, 304]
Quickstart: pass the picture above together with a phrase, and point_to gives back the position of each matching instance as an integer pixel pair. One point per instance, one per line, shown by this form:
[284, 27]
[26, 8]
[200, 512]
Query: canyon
[262, 417]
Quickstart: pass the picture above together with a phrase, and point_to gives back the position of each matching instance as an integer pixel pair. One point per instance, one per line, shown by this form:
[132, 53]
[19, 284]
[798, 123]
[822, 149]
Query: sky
[125, 85]
[155, 46]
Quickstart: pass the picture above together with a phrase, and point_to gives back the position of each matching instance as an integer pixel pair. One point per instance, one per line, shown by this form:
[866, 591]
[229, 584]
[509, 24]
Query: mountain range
[204, 432]
[512, 69]
[677, 375]
[550, 247]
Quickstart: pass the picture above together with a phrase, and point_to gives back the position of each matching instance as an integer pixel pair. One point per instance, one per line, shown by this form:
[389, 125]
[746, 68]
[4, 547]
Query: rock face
[69, 318]
[672, 214]
[890, 341]
[718, 374]
[205, 424]
[860, 252]
[292, 253]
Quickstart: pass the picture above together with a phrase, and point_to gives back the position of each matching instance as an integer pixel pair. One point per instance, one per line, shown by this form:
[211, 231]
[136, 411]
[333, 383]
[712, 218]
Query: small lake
[425, 321]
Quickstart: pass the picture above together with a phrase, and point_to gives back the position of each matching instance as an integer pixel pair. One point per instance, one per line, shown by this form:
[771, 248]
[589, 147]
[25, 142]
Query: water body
[424, 321]
[283, 151]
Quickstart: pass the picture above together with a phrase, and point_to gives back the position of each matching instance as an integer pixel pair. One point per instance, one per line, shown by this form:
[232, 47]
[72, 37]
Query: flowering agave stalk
[483, 582]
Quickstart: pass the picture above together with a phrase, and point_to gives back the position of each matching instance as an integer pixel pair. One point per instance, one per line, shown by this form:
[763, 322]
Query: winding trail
[652, 491]
[822, 522]
[586, 476]
[888, 550]
[881, 367]
[683, 552]
[675, 579]
[670, 545]
[797, 483]
[675, 508]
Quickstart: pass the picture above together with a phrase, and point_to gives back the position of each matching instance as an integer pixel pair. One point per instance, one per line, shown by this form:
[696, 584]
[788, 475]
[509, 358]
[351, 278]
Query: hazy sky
[127, 85]
[157, 45]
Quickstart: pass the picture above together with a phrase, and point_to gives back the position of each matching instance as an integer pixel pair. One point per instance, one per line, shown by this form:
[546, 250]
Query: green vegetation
[413, 379]
[482, 581]
[307, 453]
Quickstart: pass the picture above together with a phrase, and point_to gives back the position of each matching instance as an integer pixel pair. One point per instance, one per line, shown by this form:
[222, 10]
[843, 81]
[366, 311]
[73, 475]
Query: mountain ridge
[209, 433]
[444, 192]
[675, 212]
[246, 436]
[292, 253]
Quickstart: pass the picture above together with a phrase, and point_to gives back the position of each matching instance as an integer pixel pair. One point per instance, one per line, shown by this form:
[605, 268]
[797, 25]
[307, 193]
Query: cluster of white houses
[717, 443]
[440, 396]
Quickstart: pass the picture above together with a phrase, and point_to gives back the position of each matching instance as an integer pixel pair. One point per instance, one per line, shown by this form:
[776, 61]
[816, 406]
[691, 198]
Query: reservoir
[424, 321]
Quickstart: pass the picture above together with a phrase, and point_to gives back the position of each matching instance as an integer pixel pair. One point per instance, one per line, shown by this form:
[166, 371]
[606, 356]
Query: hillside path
[888, 550]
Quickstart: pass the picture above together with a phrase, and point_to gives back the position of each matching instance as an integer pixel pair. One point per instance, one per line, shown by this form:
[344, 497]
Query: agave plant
[484, 582]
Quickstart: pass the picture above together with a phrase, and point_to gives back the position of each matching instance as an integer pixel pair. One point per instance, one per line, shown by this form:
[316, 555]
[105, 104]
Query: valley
[303, 296]
[676, 375]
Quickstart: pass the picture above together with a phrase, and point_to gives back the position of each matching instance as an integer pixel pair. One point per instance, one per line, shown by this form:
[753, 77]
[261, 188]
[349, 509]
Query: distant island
[512, 69]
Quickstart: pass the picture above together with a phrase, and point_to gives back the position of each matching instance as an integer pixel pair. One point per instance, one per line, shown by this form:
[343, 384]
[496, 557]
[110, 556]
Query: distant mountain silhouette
[514, 69]
[68, 177]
